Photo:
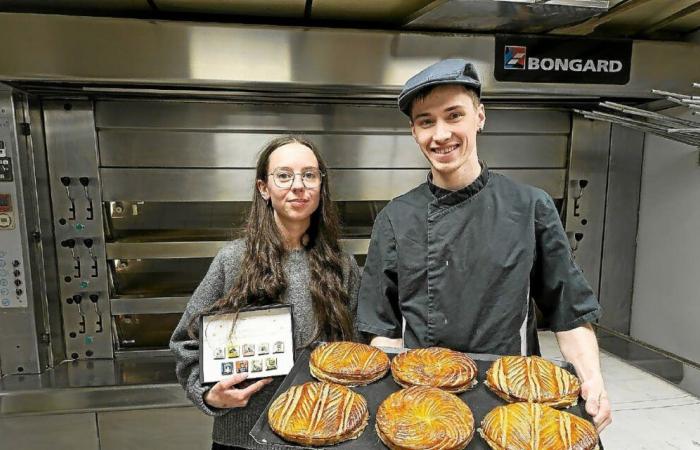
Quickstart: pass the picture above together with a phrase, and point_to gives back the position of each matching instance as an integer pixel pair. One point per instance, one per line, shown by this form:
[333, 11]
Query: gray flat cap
[447, 71]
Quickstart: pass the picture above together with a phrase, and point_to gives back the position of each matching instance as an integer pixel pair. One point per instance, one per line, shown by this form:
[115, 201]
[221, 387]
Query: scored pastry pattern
[531, 378]
[426, 418]
[348, 363]
[318, 414]
[533, 426]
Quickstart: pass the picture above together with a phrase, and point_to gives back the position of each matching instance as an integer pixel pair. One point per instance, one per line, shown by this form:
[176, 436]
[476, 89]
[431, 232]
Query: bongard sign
[562, 60]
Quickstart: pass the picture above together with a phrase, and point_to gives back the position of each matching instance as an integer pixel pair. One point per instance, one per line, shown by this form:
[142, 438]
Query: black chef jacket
[459, 269]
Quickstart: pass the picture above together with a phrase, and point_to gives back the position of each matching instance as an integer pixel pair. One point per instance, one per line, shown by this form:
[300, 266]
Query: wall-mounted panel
[71, 146]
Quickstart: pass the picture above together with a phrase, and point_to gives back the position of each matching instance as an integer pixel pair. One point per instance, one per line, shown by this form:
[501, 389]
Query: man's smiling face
[444, 124]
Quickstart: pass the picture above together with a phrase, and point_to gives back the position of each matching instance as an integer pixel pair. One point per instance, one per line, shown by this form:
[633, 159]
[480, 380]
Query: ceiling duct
[505, 16]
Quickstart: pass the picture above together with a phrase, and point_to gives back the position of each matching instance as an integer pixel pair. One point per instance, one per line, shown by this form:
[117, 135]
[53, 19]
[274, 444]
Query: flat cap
[447, 71]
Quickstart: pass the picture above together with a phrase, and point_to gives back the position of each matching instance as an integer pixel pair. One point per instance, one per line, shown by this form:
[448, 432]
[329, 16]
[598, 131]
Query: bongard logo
[574, 65]
[514, 57]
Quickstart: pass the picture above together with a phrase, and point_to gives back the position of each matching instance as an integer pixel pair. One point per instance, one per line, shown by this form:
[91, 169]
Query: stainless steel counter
[92, 386]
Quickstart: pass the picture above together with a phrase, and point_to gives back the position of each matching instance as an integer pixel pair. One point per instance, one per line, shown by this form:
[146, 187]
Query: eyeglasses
[284, 178]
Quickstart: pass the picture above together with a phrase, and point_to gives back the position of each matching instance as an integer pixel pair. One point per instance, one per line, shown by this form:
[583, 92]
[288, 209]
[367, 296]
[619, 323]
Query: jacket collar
[445, 197]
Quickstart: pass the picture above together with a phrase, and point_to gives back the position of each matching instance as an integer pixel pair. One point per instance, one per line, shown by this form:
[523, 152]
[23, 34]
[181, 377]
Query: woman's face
[296, 203]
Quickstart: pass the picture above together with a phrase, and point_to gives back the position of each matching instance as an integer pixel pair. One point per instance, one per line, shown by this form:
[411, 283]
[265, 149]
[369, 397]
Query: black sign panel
[562, 60]
[5, 169]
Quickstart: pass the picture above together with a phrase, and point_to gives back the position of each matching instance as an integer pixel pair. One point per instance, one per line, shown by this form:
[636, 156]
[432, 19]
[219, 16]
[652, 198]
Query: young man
[457, 261]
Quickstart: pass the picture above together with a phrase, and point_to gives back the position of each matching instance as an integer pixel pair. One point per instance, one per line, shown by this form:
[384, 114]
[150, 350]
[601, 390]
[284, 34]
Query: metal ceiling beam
[257, 8]
[630, 18]
[504, 16]
[660, 25]
[78, 6]
[385, 11]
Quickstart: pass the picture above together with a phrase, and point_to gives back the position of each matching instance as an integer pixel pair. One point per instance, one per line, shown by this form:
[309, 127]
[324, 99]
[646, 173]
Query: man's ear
[262, 189]
[413, 128]
[481, 115]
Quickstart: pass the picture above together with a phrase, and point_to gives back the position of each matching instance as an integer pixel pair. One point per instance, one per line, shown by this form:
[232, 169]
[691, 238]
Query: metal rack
[681, 130]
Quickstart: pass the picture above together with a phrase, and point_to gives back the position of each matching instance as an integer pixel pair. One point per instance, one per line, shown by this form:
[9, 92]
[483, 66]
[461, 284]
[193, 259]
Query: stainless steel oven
[144, 192]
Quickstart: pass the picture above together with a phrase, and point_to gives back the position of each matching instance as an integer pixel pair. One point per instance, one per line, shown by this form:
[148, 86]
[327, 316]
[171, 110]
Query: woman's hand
[224, 395]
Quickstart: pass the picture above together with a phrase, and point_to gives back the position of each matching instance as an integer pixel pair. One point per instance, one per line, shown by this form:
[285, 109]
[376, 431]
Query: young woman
[289, 254]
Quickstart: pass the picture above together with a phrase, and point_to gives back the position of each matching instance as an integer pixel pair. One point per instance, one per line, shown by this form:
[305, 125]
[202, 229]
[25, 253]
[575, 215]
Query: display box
[258, 341]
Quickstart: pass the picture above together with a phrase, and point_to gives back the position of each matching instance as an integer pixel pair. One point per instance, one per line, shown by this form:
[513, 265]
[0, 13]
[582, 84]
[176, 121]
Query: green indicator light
[79, 226]
[84, 284]
[89, 340]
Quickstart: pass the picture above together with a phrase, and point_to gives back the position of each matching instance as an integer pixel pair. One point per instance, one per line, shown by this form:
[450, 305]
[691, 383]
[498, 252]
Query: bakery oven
[132, 172]
[145, 191]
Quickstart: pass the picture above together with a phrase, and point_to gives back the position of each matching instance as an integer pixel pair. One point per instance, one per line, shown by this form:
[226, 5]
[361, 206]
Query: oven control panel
[12, 279]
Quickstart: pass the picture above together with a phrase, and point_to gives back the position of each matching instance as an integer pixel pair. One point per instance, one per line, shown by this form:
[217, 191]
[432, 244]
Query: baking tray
[479, 399]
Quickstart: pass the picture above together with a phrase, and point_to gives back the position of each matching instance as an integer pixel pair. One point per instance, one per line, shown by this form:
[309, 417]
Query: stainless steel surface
[199, 249]
[505, 16]
[94, 385]
[101, 50]
[88, 399]
[148, 305]
[256, 117]
[36, 205]
[643, 19]
[151, 149]
[157, 277]
[140, 143]
[71, 146]
[13, 233]
[620, 234]
[163, 250]
[198, 185]
[171, 428]
[587, 185]
[642, 125]
[57, 432]
[22, 314]
[46, 280]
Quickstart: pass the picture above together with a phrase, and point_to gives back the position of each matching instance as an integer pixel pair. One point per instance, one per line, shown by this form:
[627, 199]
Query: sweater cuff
[198, 393]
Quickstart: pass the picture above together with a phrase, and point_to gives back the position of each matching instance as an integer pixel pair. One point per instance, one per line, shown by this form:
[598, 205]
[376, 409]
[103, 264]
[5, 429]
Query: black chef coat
[459, 269]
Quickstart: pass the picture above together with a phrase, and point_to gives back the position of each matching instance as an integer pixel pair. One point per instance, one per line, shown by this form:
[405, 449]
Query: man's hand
[597, 403]
[580, 347]
[224, 395]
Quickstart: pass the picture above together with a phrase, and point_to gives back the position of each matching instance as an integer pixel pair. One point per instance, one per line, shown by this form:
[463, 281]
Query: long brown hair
[261, 279]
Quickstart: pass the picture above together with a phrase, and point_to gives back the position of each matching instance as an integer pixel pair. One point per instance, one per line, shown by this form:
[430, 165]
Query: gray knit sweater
[232, 426]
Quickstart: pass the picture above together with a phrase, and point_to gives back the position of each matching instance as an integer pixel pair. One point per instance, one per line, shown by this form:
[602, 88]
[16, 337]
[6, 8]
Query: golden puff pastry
[422, 417]
[533, 426]
[435, 366]
[348, 363]
[318, 414]
[533, 379]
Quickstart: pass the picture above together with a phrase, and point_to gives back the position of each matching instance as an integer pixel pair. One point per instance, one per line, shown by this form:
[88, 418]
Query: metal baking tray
[479, 399]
